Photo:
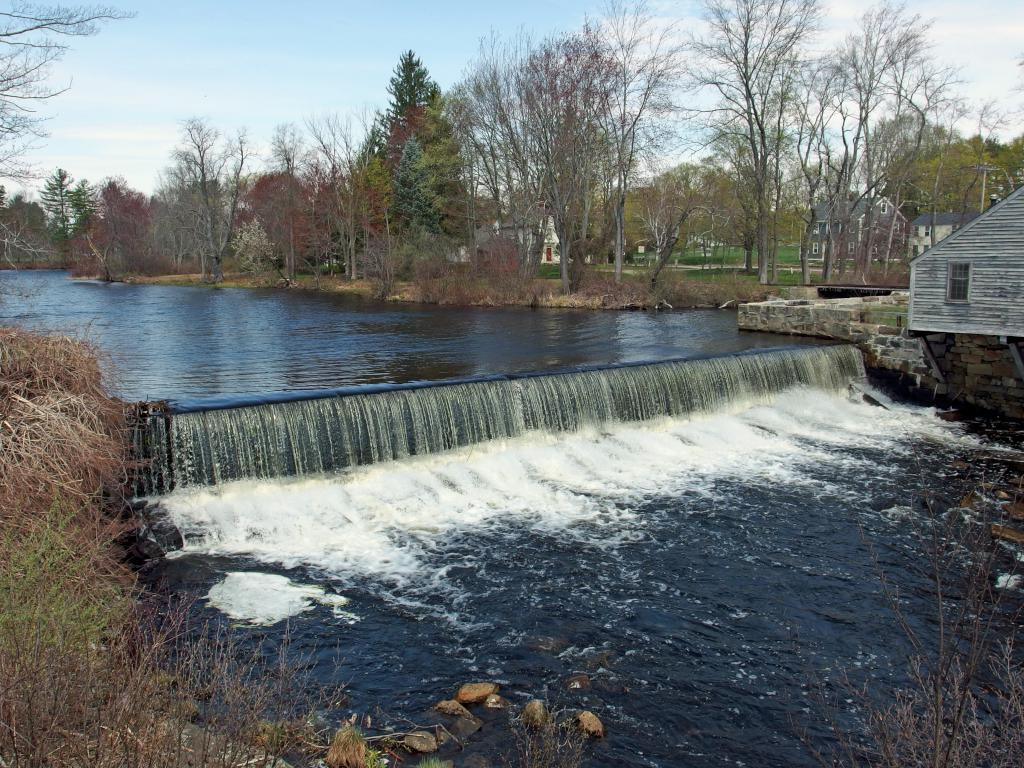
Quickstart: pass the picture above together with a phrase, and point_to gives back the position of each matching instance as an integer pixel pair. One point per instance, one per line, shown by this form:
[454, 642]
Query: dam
[215, 441]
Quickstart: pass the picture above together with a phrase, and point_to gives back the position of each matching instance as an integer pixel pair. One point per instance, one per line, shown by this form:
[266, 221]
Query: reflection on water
[168, 341]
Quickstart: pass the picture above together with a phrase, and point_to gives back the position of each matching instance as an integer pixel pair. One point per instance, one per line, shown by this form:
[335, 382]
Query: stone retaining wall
[973, 369]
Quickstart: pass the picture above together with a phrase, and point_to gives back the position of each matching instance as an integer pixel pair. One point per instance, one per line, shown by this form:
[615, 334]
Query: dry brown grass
[348, 749]
[90, 677]
[60, 432]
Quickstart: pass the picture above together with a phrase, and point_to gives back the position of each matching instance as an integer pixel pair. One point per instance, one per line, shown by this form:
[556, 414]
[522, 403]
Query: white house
[941, 225]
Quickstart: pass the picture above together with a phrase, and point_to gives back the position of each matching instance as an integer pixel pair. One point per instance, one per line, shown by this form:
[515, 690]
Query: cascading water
[336, 430]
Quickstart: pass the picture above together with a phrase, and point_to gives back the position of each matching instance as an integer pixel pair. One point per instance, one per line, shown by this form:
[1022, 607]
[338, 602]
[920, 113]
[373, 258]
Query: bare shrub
[682, 291]
[963, 703]
[557, 743]
[381, 265]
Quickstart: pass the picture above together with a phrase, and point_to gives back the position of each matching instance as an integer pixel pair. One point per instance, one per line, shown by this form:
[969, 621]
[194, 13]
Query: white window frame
[814, 248]
[885, 207]
[949, 282]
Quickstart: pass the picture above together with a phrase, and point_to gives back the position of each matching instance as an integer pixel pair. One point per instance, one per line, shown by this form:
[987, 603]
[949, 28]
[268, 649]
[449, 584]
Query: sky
[256, 64]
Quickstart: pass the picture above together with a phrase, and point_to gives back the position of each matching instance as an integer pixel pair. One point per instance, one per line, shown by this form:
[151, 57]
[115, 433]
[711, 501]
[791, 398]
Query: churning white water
[267, 598]
[329, 433]
[385, 523]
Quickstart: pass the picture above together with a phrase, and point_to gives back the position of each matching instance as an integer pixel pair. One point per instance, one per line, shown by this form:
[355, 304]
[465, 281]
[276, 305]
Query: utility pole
[984, 170]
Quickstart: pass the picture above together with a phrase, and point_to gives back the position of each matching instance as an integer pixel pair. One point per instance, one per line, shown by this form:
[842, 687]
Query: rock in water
[1005, 533]
[474, 693]
[420, 741]
[590, 724]
[464, 727]
[452, 708]
[1016, 510]
[535, 714]
[494, 701]
[578, 683]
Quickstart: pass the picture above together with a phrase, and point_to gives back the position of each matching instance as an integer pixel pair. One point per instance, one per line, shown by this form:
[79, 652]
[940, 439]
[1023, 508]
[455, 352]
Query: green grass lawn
[789, 255]
[785, 277]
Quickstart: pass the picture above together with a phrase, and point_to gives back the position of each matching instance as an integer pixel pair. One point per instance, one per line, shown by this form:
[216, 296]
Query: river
[182, 342]
[708, 573]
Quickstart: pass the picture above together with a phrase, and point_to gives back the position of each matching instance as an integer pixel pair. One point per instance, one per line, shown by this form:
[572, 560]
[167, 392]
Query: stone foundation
[972, 369]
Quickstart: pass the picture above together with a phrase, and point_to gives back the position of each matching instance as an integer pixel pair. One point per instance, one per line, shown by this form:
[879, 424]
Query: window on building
[927, 231]
[849, 247]
[958, 287]
[814, 248]
[885, 207]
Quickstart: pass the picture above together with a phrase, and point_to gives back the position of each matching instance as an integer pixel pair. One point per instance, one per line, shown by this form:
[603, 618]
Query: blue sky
[257, 64]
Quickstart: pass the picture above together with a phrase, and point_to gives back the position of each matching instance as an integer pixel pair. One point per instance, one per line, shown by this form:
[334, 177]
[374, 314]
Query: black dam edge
[173, 406]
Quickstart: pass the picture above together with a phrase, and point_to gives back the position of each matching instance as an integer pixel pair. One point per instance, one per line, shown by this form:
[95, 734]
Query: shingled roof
[944, 219]
[999, 229]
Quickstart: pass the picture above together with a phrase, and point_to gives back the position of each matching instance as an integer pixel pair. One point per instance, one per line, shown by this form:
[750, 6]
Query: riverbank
[959, 369]
[94, 672]
[598, 291]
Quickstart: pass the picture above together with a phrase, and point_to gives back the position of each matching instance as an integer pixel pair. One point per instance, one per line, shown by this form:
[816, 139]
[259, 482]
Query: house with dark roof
[848, 232]
[930, 228]
[967, 307]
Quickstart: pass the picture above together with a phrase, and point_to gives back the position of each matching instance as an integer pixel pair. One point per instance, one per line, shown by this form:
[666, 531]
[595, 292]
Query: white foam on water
[266, 598]
[385, 522]
[1009, 581]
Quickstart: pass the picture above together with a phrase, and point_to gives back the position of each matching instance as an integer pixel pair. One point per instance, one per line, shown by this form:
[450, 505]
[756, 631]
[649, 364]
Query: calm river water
[708, 574]
[174, 342]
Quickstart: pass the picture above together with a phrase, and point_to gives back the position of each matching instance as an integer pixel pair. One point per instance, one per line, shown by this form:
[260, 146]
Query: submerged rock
[464, 727]
[546, 644]
[590, 724]
[535, 714]
[1006, 533]
[474, 693]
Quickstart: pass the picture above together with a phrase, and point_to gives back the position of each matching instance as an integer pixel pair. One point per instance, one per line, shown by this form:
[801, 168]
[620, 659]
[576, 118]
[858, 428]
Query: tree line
[580, 133]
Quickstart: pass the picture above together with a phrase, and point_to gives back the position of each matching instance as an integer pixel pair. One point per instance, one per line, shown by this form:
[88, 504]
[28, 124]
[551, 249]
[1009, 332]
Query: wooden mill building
[967, 307]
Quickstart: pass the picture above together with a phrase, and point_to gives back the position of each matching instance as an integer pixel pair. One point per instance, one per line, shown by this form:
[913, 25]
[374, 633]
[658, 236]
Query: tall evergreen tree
[56, 197]
[411, 90]
[413, 204]
[82, 199]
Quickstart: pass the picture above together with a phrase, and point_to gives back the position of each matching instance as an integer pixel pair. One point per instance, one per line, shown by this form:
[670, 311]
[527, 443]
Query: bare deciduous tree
[336, 169]
[665, 205]
[566, 82]
[212, 170]
[32, 38]
[747, 59]
[646, 67]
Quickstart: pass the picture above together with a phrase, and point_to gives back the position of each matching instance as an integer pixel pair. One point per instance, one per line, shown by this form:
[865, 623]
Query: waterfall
[326, 432]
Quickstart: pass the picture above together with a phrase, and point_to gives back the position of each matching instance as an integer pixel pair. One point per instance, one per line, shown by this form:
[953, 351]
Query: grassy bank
[459, 285]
